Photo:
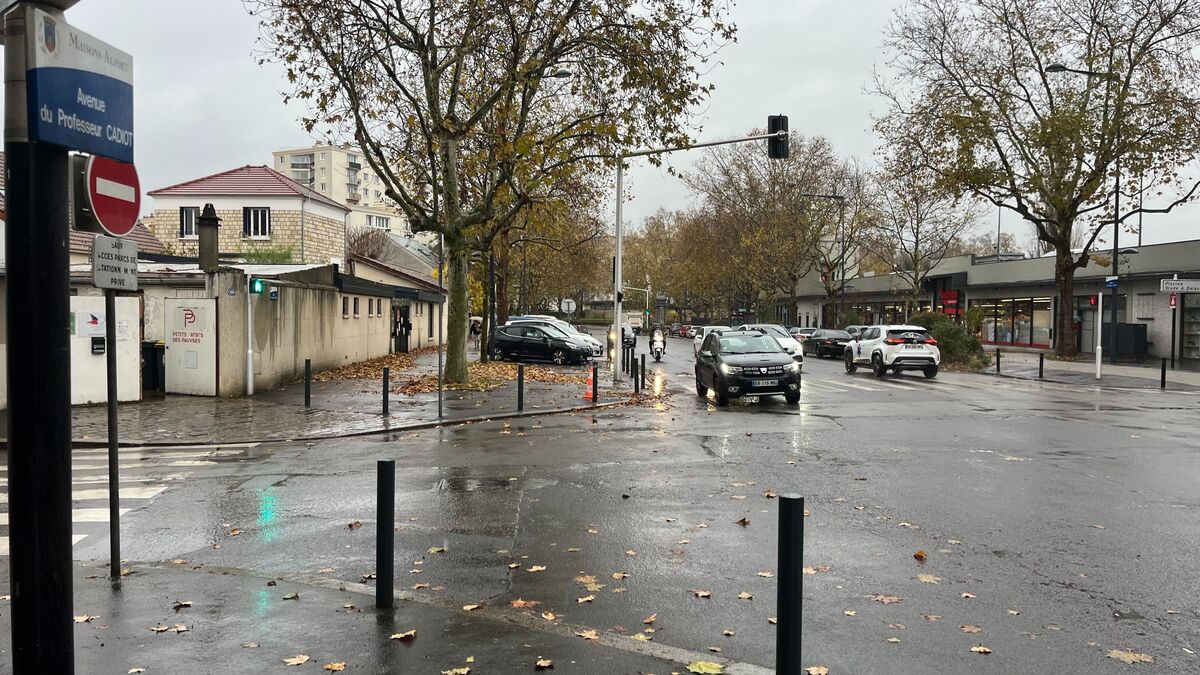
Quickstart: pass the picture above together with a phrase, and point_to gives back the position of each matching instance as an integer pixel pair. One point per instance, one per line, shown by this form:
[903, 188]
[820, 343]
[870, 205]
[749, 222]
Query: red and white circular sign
[114, 194]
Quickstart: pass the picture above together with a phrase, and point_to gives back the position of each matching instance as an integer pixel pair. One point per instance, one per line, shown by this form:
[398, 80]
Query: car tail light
[894, 341]
[930, 341]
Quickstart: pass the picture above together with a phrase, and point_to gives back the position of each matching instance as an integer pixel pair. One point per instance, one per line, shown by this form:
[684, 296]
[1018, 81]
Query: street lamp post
[1060, 68]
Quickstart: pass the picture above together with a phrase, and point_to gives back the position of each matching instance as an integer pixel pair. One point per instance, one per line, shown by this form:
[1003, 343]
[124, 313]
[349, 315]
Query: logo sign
[189, 316]
[114, 263]
[950, 298]
[1179, 285]
[114, 194]
[1174, 299]
[79, 90]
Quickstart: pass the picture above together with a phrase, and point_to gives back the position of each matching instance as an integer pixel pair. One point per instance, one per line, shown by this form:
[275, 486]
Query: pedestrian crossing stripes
[145, 474]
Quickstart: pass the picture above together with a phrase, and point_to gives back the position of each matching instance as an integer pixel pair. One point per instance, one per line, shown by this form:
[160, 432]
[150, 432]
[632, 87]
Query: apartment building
[342, 175]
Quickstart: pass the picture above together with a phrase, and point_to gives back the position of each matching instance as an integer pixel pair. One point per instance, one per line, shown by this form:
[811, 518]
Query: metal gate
[191, 351]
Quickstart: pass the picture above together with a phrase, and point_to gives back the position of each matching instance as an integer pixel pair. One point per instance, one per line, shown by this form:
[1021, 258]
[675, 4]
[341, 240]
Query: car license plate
[765, 383]
[914, 346]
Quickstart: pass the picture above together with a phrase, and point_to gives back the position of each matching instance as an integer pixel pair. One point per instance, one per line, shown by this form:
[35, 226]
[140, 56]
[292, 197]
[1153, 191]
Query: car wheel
[701, 390]
[497, 354]
[792, 397]
[850, 366]
[722, 397]
[930, 372]
[559, 357]
[877, 367]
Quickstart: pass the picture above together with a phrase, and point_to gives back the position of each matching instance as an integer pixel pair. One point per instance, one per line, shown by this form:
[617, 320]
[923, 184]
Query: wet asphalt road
[1067, 513]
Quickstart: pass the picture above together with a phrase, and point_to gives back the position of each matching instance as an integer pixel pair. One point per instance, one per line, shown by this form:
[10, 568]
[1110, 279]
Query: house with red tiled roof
[81, 243]
[265, 217]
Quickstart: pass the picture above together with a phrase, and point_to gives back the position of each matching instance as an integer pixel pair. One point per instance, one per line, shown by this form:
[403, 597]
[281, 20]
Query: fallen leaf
[543, 664]
[743, 522]
[470, 608]
[465, 670]
[894, 640]
[850, 612]
[513, 566]
[587, 634]
[536, 568]
[631, 552]
[522, 604]
[436, 549]
[619, 590]
[367, 576]
[250, 645]
[619, 575]
[817, 670]
[297, 660]
[593, 532]
[683, 541]
[181, 604]
[814, 570]
[234, 532]
[419, 586]
[727, 633]
[670, 520]
[931, 617]
[408, 635]
[745, 596]
[135, 669]
[769, 494]
[953, 541]
[325, 570]
[968, 628]
[896, 626]
[180, 628]
[292, 596]
[738, 497]
[586, 598]
[980, 649]
[160, 628]
[1130, 657]
[1098, 527]
[84, 618]
[910, 526]
[928, 578]
[772, 620]
[715, 650]
[337, 666]
[1013, 612]
[967, 596]
[572, 550]
[885, 599]
[920, 555]
[354, 525]
[179, 561]
[641, 637]
[701, 526]
[650, 619]
[860, 478]
[701, 594]
[766, 575]
[706, 668]
[549, 616]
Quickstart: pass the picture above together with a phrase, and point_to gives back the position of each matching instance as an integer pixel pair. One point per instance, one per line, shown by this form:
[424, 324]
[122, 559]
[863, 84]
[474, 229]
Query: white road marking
[80, 516]
[75, 539]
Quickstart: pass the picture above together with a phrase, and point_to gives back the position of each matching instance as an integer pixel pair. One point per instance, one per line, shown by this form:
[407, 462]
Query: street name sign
[114, 194]
[1111, 282]
[114, 263]
[1179, 286]
[79, 90]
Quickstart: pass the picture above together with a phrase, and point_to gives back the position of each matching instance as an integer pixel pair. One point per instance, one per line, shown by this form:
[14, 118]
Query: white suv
[894, 348]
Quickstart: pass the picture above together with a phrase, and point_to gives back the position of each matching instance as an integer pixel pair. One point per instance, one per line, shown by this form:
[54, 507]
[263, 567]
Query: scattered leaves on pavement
[1130, 657]
[650, 619]
[522, 604]
[589, 634]
[769, 494]
[179, 628]
[631, 552]
[817, 569]
[969, 628]
[641, 637]
[896, 626]
[928, 578]
[367, 576]
[419, 586]
[465, 670]
[325, 570]
[297, 660]
[549, 616]
[1013, 612]
[706, 668]
[513, 566]
[885, 599]
[181, 604]
[135, 669]
[910, 526]
[954, 541]
[980, 649]
[407, 635]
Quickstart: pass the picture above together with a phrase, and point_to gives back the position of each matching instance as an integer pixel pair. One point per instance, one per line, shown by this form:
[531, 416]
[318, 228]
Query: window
[322, 171]
[356, 308]
[431, 321]
[322, 155]
[345, 307]
[379, 222]
[321, 187]
[281, 158]
[256, 222]
[187, 221]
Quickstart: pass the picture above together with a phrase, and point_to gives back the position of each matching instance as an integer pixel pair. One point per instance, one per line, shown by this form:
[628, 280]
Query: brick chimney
[206, 226]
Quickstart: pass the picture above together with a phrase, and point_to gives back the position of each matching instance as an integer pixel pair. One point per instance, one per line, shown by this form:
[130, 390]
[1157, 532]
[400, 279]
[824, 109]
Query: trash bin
[154, 366]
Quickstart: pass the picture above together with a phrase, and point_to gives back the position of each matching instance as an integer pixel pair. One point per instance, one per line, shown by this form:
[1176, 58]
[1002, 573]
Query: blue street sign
[1111, 282]
[79, 91]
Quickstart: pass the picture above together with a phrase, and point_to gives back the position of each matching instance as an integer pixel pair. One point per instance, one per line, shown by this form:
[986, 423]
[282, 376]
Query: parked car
[563, 327]
[526, 342]
[686, 331]
[786, 341]
[801, 334]
[855, 330]
[827, 342]
[693, 330]
[745, 363]
[894, 348]
[701, 333]
[674, 329]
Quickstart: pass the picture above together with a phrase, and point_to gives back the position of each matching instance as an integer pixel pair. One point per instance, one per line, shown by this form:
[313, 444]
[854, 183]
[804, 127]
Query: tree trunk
[1064, 280]
[502, 269]
[456, 328]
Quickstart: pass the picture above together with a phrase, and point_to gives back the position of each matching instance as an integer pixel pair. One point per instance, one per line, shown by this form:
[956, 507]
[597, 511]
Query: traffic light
[647, 312]
[777, 148]
[620, 296]
[1092, 300]
[257, 285]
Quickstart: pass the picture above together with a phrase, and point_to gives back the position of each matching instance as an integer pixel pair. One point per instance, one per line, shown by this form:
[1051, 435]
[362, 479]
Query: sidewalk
[1024, 365]
[230, 621]
[339, 408]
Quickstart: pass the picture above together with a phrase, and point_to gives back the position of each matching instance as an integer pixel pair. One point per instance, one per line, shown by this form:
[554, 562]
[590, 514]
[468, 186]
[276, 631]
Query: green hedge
[959, 346]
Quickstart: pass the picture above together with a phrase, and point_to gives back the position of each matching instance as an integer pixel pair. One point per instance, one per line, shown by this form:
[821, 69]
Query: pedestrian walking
[476, 333]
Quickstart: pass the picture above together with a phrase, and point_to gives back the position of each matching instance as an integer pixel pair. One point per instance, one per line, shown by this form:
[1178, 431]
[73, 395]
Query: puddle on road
[491, 484]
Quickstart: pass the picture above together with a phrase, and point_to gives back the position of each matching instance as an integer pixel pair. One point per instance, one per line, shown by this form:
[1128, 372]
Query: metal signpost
[64, 90]
[1176, 286]
[114, 267]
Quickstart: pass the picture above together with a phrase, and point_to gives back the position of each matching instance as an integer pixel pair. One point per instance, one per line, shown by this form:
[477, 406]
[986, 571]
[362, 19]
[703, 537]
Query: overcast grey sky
[204, 105]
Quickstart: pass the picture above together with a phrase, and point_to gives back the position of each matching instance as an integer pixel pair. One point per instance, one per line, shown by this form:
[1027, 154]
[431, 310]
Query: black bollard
[385, 534]
[595, 386]
[307, 383]
[643, 372]
[997, 361]
[637, 383]
[386, 381]
[1162, 382]
[1041, 364]
[791, 584]
[520, 387]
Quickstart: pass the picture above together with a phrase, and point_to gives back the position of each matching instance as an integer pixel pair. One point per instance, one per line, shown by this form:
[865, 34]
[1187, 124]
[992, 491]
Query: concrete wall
[419, 311]
[153, 302]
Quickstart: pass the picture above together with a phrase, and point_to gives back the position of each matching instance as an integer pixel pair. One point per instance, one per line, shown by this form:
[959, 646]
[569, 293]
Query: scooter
[656, 348]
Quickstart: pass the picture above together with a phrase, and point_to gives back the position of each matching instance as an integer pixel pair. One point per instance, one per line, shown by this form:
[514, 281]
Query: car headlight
[728, 369]
[792, 367]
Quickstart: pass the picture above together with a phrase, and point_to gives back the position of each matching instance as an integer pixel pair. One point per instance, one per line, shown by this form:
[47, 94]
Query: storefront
[1022, 322]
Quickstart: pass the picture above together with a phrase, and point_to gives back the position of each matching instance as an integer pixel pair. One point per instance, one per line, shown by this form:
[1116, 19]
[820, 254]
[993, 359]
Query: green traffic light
[257, 285]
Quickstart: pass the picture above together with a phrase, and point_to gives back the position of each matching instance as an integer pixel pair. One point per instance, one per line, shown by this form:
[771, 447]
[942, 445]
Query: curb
[1187, 388]
[432, 424]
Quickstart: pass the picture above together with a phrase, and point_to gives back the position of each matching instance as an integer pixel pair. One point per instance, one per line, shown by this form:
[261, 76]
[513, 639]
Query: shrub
[958, 345]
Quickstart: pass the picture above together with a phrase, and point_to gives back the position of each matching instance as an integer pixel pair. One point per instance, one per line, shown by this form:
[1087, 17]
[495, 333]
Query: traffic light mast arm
[658, 151]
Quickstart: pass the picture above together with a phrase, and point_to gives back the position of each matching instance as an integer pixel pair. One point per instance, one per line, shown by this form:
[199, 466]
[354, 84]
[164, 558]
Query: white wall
[275, 202]
[88, 370]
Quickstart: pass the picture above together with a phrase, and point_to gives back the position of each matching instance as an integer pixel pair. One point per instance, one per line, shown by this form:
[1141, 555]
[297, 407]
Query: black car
[521, 342]
[827, 342]
[745, 363]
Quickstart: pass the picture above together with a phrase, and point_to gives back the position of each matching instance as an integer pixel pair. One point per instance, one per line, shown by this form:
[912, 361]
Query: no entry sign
[114, 194]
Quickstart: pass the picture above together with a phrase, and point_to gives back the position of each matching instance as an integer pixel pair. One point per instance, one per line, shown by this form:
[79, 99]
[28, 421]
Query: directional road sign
[1179, 285]
[114, 194]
